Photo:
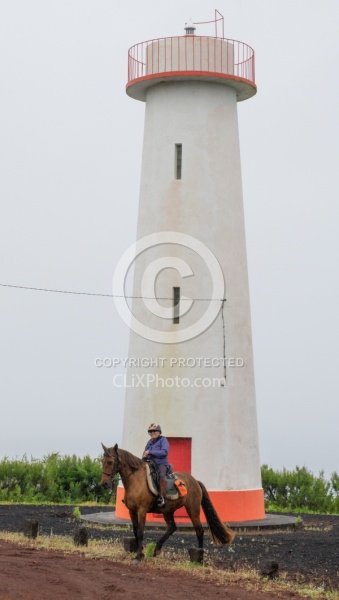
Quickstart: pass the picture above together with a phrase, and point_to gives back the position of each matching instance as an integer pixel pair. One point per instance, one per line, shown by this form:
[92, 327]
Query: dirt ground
[307, 555]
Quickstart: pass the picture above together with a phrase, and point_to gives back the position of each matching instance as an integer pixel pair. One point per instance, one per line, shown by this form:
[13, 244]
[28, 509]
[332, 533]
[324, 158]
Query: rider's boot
[163, 487]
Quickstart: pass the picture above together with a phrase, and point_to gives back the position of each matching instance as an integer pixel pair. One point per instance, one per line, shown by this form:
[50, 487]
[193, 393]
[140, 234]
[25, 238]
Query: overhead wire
[53, 291]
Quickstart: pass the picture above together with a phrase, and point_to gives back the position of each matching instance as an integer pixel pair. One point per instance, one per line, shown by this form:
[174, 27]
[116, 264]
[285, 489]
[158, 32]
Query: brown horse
[140, 501]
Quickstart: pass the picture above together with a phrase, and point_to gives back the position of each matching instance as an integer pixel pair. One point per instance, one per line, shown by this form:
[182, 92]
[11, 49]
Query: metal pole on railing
[216, 23]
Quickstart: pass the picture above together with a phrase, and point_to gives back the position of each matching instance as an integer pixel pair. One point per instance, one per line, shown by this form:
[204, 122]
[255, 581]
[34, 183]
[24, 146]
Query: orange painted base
[231, 506]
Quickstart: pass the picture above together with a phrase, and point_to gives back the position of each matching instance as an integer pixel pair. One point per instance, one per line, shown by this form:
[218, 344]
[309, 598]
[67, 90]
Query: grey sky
[70, 154]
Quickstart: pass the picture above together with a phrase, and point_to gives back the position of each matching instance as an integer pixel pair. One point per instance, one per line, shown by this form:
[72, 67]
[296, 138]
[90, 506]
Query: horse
[140, 501]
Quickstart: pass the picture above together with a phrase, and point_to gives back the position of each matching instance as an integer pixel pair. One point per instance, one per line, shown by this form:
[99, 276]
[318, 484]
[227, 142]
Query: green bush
[300, 490]
[73, 480]
[55, 478]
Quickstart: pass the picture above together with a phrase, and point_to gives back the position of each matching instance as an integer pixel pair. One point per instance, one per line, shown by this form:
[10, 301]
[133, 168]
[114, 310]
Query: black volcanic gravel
[308, 554]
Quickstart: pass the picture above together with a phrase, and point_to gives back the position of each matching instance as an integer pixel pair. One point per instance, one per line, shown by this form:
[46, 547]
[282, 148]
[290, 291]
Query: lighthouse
[190, 360]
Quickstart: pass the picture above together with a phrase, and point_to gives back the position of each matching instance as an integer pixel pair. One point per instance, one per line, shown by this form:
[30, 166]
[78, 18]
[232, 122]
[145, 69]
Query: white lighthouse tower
[190, 353]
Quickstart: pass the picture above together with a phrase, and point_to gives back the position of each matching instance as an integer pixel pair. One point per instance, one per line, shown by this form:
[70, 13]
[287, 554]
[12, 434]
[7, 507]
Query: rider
[157, 449]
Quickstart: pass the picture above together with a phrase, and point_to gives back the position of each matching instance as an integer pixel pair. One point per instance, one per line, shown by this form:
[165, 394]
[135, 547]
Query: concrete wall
[206, 204]
[190, 53]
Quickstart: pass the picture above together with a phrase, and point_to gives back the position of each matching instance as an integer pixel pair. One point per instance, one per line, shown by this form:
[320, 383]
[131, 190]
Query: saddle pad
[172, 493]
[150, 483]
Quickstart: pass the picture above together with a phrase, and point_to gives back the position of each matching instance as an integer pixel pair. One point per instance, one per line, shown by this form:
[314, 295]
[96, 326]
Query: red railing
[191, 53]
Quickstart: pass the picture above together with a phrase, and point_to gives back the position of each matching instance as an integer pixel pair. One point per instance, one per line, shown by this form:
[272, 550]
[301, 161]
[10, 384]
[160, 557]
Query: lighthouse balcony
[191, 57]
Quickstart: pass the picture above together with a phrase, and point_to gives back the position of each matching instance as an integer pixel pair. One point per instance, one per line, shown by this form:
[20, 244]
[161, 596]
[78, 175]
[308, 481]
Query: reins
[119, 466]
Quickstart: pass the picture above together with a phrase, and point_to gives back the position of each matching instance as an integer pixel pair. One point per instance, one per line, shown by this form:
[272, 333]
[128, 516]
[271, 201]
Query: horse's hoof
[156, 552]
[135, 561]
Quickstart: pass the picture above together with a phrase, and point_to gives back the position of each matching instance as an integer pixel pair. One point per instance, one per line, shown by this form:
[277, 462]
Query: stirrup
[161, 501]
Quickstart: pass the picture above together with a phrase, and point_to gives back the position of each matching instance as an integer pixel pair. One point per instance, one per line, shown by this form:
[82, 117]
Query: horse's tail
[220, 533]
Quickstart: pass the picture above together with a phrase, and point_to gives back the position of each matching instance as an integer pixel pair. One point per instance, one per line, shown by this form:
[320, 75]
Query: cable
[36, 289]
[24, 287]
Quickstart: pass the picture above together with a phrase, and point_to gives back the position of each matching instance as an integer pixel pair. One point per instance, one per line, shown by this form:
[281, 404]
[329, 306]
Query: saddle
[152, 475]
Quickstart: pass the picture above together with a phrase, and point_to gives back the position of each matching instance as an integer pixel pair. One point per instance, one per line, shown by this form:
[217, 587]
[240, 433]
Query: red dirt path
[308, 555]
[30, 574]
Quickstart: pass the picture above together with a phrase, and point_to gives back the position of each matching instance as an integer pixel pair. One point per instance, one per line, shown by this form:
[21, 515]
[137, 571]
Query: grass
[77, 513]
[271, 507]
[174, 562]
[47, 503]
[149, 550]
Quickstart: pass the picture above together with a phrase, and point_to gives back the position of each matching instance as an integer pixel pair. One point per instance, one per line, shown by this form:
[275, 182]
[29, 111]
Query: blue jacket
[158, 450]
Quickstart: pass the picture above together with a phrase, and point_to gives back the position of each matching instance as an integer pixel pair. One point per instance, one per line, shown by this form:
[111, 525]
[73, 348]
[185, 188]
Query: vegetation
[149, 550]
[300, 491]
[73, 480]
[77, 513]
[52, 479]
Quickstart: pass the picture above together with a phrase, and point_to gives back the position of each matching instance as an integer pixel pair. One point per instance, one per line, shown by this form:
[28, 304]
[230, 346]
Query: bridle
[116, 466]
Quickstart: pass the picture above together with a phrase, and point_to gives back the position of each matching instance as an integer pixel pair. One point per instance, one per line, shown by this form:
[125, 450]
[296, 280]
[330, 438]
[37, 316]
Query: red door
[180, 454]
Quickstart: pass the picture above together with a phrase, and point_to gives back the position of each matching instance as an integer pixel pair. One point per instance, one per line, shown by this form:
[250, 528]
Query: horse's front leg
[141, 519]
[134, 518]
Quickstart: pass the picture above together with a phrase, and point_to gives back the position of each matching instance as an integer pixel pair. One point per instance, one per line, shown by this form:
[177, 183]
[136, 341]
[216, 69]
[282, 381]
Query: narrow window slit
[176, 304]
[178, 161]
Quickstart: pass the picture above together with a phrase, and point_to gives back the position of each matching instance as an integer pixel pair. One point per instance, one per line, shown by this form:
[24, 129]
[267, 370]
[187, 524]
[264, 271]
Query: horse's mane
[128, 459]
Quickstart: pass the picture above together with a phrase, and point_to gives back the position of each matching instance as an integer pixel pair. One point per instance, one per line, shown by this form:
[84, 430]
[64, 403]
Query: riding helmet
[154, 427]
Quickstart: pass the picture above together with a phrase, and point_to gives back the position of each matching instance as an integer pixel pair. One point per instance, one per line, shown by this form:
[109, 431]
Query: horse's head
[110, 465]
